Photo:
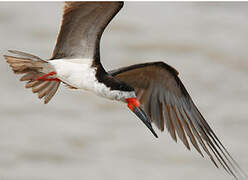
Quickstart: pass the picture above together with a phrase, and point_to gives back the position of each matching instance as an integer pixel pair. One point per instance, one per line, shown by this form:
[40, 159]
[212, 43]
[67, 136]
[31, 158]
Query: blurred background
[81, 136]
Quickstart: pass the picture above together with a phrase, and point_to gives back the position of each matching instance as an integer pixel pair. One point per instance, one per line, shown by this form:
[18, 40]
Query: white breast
[80, 74]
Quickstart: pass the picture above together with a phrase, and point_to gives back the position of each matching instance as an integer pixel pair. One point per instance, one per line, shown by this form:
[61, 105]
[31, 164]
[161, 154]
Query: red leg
[51, 79]
[43, 78]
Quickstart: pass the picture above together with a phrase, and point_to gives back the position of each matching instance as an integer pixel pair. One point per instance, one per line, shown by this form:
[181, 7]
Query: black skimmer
[154, 86]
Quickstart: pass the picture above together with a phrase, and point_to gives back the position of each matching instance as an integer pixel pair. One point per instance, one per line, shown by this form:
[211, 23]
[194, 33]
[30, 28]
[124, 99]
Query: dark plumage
[168, 104]
[157, 86]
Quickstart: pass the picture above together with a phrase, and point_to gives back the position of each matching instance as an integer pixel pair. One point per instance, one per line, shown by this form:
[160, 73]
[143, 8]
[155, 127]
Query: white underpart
[79, 74]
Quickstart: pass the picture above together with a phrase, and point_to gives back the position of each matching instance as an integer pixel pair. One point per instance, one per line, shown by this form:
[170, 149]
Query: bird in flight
[153, 91]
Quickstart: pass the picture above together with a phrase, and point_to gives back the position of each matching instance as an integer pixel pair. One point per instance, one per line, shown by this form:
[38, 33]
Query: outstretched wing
[167, 103]
[82, 26]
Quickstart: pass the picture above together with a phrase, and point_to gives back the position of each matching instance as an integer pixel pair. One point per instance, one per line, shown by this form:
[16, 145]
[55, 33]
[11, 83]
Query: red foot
[43, 78]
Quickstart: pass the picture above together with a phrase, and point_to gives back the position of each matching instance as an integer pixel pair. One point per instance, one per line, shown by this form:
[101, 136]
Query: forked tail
[33, 68]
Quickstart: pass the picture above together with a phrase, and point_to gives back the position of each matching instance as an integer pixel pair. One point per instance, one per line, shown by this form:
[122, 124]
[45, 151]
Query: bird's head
[127, 94]
[134, 105]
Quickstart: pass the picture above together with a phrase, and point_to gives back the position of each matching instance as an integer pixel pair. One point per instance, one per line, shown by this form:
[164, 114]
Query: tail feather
[25, 55]
[40, 87]
[31, 66]
[51, 93]
[33, 84]
[45, 90]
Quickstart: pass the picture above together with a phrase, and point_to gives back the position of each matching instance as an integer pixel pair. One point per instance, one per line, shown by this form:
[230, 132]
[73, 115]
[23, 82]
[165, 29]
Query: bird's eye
[121, 86]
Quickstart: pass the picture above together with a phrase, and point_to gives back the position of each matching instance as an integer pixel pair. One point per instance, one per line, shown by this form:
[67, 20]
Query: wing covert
[82, 26]
[168, 104]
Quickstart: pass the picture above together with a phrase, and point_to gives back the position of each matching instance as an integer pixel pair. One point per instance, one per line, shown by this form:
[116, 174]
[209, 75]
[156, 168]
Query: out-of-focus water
[81, 136]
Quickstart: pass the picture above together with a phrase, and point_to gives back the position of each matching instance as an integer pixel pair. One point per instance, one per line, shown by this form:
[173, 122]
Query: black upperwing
[167, 103]
[82, 26]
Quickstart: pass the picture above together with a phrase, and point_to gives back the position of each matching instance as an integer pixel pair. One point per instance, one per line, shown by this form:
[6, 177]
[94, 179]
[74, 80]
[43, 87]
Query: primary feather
[168, 103]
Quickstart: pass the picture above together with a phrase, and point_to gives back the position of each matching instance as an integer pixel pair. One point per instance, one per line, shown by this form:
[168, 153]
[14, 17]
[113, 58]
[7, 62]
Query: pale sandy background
[80, 136]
